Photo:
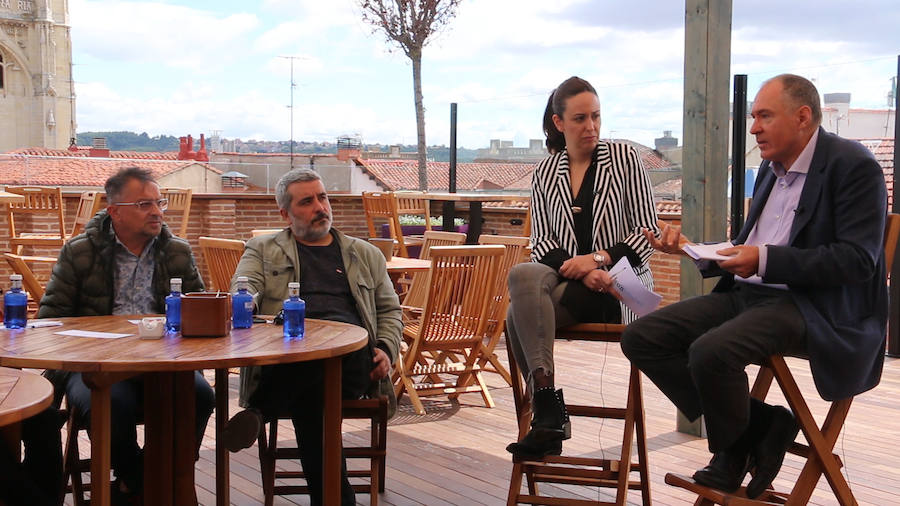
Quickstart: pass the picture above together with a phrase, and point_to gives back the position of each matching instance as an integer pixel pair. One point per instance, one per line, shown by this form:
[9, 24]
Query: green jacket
[270, 262]
[81, 283]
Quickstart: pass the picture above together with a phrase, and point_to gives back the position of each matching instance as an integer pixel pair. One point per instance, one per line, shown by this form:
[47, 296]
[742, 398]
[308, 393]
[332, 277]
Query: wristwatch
[600, 258]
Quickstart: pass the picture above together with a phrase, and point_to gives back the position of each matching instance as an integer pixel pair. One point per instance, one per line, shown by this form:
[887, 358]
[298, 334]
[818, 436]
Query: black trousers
[296, 389]
[696, 352]
[127, 410]
[37, 481]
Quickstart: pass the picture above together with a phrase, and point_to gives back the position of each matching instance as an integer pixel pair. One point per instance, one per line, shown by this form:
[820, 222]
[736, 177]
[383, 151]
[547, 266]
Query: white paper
[87, 333]
[707, 251]
[634, 294]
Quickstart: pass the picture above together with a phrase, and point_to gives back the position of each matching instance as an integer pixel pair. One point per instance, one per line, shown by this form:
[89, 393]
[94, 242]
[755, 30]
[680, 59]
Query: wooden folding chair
[374, 410]
[179, 207]
[43, 211]
[414, 203]
[383, 206]
[418, 283]
[585, 471]
[820, 440]
[88, 206]
[222, 257]
[30, 283]
[453, 320]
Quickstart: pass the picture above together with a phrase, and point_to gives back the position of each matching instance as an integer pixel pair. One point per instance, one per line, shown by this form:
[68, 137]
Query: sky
[179, 67]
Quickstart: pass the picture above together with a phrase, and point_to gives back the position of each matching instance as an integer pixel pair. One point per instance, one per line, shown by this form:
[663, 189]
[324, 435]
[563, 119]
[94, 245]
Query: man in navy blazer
[806, 275]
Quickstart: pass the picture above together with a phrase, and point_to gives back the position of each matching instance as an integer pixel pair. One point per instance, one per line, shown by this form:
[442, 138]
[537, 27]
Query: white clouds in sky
[179, 66]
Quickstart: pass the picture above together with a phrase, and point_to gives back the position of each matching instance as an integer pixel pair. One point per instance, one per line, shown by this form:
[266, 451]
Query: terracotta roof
[78, 170]
[883, 149]
[84, 151]
[653, 159]
[668, 189]
[668, 208]
[404, 174]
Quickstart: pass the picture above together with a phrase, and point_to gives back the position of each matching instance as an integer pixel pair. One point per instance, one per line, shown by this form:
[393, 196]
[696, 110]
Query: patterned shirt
[133, 278]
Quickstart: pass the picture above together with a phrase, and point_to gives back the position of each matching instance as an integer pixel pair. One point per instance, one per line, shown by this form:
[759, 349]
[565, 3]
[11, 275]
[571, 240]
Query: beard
[314, 230]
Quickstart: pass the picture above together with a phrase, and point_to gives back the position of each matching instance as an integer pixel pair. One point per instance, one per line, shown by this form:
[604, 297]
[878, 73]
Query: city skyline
[218, 66]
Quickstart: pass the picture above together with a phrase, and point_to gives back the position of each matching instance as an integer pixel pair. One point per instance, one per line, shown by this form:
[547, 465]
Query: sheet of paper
[87, 333]
[706, 251]
[634, 294]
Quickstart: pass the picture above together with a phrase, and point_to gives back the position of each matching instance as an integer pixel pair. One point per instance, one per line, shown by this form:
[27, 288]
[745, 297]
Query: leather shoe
[242, 430]
[768, 452]
[725, 471]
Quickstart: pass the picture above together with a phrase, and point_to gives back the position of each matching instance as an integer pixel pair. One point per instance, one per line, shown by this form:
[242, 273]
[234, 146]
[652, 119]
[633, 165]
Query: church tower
[37, 94]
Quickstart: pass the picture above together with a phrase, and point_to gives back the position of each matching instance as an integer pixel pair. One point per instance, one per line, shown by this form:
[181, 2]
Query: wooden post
[707, 54]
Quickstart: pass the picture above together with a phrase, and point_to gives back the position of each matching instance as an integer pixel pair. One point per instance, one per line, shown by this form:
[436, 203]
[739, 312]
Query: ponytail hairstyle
[556, 104]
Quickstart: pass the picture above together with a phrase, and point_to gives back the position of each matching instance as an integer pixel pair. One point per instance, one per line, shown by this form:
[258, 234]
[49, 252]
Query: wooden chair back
[29, 281]
[88, 206]
[516, 252]
[418, 287]
[819, 449]
[179, 208]
[382, 206]
[264, 231]
[222, 257]
[40, 202]
[414, 203]
[453, 320]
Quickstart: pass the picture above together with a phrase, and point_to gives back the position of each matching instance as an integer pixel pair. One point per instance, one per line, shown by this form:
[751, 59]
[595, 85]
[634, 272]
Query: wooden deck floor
[455, 453]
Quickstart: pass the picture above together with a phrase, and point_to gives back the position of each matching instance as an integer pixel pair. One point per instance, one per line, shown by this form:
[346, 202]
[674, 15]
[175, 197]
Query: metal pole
[738, 150]
[450, 207]
[292, 113]
[893, 345]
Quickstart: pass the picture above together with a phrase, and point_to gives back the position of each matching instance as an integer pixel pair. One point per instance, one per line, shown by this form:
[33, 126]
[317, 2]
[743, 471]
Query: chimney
[202, 155]
[395, 151]
[666, 142]
[98, 148]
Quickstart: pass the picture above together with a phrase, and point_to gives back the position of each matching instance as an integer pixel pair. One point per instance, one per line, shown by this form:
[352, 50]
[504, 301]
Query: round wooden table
[169, 393]
[22, 395]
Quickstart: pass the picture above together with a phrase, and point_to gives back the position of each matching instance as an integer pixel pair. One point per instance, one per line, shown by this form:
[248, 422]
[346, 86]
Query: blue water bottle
[242, 305]
[14, 304]
[294, 312]
[173, 306]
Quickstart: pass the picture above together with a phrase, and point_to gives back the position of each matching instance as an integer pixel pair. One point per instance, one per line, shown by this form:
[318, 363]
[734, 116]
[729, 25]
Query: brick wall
[234, 216]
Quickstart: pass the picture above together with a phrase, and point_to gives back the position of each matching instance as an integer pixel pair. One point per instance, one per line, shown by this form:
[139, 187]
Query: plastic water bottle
[242, 305]
[173, 306]
[294, 312]
[14, 304]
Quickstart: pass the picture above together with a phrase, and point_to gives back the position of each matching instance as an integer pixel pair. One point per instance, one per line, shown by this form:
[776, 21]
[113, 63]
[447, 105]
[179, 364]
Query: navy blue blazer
[834, 263]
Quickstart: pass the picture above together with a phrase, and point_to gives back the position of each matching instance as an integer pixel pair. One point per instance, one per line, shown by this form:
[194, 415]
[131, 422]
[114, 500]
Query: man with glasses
[122, 264]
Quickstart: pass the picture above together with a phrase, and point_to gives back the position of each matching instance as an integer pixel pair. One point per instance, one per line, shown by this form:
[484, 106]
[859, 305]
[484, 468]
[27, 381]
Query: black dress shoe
[242, 430]
[768, 453]
[725, 471]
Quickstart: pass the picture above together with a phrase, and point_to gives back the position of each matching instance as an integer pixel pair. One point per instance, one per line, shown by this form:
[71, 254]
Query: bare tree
[409, 24]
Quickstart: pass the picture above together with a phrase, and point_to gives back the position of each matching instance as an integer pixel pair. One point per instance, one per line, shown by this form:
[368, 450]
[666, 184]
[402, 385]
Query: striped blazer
[623, 205]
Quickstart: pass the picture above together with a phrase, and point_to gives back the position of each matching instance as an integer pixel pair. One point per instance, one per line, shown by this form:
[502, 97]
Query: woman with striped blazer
[590, 201]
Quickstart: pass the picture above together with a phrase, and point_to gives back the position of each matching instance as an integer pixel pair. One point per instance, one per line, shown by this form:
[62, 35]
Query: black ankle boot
[549, 426]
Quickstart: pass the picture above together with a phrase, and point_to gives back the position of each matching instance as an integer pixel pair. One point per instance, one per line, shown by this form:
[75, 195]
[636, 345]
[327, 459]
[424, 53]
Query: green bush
[412, 219]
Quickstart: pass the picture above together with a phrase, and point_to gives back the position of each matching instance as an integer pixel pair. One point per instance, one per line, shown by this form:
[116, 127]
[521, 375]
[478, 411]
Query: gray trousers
[534, 314]
[696, 352]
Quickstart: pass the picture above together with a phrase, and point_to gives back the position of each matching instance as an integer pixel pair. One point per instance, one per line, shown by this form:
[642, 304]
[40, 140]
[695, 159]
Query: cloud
[158, 33]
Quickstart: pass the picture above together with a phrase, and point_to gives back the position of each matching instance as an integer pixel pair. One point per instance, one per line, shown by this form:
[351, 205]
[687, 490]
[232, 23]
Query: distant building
[37, 95]
[500, 150]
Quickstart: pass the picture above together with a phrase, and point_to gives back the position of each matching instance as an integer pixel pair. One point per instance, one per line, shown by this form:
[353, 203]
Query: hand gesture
[744, 261]
[671, 240]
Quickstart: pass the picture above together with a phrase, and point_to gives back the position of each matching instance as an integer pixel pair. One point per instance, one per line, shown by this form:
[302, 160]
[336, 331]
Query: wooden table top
[403, 264]
[261, 344]
[6, 197]
[22, 394]
[473, 197]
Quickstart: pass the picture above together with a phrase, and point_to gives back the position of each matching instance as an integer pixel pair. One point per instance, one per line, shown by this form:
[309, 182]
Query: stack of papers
[634, 294]
[707, 251]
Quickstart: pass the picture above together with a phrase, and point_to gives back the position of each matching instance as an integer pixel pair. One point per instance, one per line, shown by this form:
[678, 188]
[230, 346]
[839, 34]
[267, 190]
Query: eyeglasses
[145, 205]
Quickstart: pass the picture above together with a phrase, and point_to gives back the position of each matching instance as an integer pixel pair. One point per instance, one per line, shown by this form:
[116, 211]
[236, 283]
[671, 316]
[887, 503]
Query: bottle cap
[18, 277]
[294, 284]
[175, 284]
[293, 289]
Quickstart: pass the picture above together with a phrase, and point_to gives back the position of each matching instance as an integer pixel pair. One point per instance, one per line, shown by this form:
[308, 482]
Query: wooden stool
[820, 459]
[371, 409]
[584, 471]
